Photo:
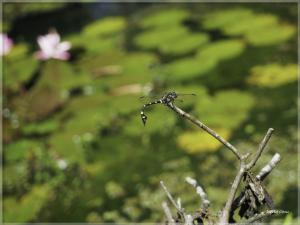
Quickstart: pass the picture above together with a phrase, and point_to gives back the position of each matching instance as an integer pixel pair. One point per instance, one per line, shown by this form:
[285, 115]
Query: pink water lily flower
[51, 47]
[6, 44]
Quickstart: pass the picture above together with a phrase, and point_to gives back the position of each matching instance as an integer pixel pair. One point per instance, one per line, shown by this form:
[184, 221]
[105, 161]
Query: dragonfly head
[172, 94]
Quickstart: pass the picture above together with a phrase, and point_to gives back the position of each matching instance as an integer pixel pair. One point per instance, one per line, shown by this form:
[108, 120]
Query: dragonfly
[166, 99]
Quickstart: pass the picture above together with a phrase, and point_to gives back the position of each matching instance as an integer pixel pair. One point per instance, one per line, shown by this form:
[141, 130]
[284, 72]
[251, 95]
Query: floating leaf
[106, 26]
[43, 127]
[61, 76]
[250, 24]
[17, 72]
[188, 68]
[273, 75]
[15, 175]
[151, 39]
[226, 109]
[27, 207]
[224, 18]
[185, 44]
[18, 51]
[18, 150]
[272, 35]
[28, 107]
[167, 17]
[221, 50]
[199, 141]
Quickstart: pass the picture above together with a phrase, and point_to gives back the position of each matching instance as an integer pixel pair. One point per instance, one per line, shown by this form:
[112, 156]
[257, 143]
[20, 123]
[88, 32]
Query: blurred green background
[75, 149]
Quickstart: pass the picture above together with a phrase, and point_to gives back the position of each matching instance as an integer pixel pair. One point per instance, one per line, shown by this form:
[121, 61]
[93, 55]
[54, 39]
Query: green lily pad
[273, 75]
[164, 18]
[272, 35]
[44, 127]
[184, 44]
[152, 39]
[226, 17]
[17, 151]
[61, 76]
[17, 72]
[36, 199]
[250, 24]
[106, 26]
[221, 50]
[188, 68]
[227, 109]
[28, 107]
[18, 51]
[195, 142]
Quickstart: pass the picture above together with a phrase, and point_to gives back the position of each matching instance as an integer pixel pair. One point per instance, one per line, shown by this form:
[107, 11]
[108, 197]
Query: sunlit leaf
[106, 26]
[273, 75]
[188, 68]
[272, 35]
[19, 150]
[36, 199]
[164, 18]
[44, 127]
[199, 141]
[184, 44]
[250, 24]
[221, 50]
[223, 18]
[228, 109]
[151, 39]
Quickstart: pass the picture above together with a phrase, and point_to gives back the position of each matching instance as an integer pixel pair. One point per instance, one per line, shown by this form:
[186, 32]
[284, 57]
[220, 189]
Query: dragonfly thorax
[169, 97]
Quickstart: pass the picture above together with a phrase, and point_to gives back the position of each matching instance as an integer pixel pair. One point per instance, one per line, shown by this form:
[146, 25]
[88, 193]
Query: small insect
[167, 99]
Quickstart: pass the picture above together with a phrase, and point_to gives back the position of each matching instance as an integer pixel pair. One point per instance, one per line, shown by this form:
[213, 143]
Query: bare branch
[207, 129]
[178, 207]
[269, 167]
[188, 220]
[261, 148]
[200, 192]
[226, 211]
[264, 215]
[168, 213]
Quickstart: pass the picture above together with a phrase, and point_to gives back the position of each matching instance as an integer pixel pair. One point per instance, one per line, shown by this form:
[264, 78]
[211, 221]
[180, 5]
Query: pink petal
[64, 46]
[6, 44]
[62, 55]
[41, 55]
[53, 38]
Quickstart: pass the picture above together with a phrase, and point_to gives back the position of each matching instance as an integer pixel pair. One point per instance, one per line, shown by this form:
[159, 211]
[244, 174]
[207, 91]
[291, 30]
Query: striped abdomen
[143, 116]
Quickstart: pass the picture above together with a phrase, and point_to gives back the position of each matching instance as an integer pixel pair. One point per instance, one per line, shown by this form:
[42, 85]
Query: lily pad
[188, 68]
[227, 17]
[153, 38]
[36, 199]
[227, 109]
[195, 142]
[184, 44]
[164, 18]
[61, 76]
[273, 75]
[221, 50]
[106, 26]
[17, 72]
[250, 24]
[17, 151]
[44, 127]
[272, 35]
